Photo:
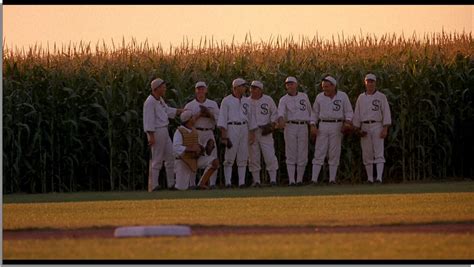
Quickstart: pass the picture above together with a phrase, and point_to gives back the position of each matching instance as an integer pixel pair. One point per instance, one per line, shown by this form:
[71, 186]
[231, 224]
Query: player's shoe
[272, 184]
[292, 184]
[378, 181]
[332, 182]
[256, 185]
[299, 183]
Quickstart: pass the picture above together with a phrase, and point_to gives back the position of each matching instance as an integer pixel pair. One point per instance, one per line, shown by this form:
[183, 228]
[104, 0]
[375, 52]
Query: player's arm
[314, 119]
[348, 112]
[386, 117]
[281, 113]
[148, 122]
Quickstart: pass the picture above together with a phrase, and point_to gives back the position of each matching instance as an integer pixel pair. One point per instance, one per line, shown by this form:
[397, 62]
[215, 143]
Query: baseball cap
[257, 84]
[238, 82]
[200, 84]
[370, 76]
[186, 115]
[330, 79]
[291, 79]
[156, 82]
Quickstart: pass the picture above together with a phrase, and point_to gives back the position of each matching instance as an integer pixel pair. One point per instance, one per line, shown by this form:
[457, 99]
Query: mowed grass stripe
[289, 246]
[408, 188]
[279, 211]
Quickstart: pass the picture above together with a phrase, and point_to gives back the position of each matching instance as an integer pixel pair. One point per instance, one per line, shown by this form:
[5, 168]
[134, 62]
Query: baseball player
[372, 119]
[191, 154]
[264, 112]
[206, 113]
[294, 114]
[155, 123]
[331, 110]
[235, 125]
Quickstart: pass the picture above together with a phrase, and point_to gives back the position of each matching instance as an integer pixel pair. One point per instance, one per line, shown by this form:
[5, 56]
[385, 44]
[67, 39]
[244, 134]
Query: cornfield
[72, 116]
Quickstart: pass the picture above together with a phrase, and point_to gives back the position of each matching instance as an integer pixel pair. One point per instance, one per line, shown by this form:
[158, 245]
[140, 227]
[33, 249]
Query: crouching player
[190, 155]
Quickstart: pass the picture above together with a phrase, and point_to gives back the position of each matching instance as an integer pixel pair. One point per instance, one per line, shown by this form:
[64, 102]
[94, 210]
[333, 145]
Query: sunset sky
[165, 24]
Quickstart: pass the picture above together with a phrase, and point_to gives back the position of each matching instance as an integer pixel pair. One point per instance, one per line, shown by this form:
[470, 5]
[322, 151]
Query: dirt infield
[108, 232]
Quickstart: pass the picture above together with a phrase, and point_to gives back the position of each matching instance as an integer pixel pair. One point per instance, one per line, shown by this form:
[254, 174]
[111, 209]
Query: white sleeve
[222, 121]
[215, 111]
[386, 116]
[274, 111]
[178, 148]
[171, 112]
[315, 113]
[252, 118]
[148, 117]
[356, 118]
[308, 104]
[281, 108]
[348, 112]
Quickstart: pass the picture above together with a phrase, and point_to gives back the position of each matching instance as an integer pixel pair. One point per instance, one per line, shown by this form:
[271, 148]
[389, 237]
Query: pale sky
[168, 24]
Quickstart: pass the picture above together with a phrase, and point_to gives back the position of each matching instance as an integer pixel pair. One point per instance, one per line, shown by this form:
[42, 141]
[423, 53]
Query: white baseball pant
[265, 144]
[204, 136]
[161, 151]
[296, 150]
[372, 149]
[239, 136]
[184, 174]
[328, 142]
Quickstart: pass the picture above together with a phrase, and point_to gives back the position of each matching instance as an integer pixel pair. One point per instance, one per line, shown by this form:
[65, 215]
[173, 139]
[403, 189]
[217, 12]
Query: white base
[162, 230]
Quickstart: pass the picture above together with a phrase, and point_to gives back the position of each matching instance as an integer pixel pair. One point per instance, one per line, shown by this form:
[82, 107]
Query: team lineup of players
[246, 126]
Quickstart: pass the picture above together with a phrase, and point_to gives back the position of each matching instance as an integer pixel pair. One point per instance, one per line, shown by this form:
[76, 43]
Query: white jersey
[156, 114]
[234, 109]
[207, 123]
[263, 110]
[295, 108]
[373, 107]
[337, 108]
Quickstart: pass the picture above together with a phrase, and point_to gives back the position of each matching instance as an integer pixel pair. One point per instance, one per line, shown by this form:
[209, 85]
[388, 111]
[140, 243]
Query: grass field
[282, 206]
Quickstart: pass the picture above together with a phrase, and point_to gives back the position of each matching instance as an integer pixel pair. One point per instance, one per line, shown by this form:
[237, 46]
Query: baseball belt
[369, 122]
[204, 129]
[297, 122]
[237, 123]
[331, 120]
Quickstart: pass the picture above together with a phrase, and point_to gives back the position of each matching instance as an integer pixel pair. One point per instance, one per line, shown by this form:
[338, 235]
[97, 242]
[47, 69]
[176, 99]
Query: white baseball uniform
[263, 111]
[156, 115]
[206, 126]
[234, 117]
[330, 113]
[296, 111]
[372, 112]
[184, 174]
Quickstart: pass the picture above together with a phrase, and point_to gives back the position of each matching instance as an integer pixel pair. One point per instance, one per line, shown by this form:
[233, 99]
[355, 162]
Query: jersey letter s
[264, 109]
[245, 106]
[303, 105]
[337, 105]
[376, 105]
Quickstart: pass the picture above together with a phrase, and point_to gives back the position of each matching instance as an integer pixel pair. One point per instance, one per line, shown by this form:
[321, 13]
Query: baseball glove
[360, 133]
[227, 142]
[267, 129]
[346, 128]
[210, 145]
[205, 112]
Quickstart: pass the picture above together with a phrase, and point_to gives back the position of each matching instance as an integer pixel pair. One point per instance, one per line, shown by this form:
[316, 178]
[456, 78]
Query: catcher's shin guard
[209, 172]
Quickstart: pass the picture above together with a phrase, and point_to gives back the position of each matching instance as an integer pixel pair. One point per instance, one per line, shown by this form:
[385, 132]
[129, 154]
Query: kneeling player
[190, 155]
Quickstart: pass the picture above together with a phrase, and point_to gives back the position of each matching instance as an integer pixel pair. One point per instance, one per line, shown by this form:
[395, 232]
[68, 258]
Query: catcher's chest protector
[189, 138]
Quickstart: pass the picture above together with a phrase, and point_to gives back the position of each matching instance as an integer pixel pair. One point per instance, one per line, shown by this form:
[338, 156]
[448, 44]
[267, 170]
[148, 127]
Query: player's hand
[362, 133]
[314, 131]
[194, 148]
[151, 139]
[384, 133]
[179, 111]
[251, 137]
